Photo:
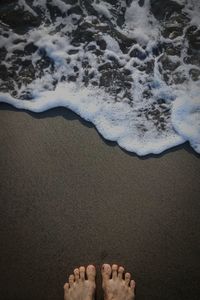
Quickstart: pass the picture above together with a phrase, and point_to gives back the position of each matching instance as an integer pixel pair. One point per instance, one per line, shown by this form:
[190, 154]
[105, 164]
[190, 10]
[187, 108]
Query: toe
[91, 272]
[127, 278]
[71, 280]
[114, 271]
[106, 271]
[82, 273]
[76, 274]
[66, 287]
[132, 285]
[66, 290]
[120, 272]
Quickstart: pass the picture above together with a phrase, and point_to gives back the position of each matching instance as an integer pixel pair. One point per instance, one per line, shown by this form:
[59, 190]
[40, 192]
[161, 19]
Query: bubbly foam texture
[138, 96]
[186, 115]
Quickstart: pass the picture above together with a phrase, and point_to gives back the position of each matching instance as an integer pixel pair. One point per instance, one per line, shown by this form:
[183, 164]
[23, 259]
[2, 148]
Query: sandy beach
[68, 198]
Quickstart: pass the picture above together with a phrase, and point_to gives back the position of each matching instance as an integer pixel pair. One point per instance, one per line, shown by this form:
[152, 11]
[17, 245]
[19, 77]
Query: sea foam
[124, 93]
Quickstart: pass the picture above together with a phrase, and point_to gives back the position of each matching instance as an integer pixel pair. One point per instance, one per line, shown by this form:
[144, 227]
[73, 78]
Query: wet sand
[68, 197]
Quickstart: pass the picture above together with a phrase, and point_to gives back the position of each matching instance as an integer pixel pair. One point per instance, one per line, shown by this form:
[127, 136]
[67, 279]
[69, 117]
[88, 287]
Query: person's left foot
[79, 287]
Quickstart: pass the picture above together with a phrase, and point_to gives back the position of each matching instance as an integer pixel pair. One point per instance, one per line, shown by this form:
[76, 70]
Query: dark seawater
[130, 67]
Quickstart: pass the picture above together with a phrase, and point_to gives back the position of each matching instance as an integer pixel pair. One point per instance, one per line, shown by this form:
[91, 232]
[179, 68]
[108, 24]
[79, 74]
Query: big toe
[91, 272]
[106, 271]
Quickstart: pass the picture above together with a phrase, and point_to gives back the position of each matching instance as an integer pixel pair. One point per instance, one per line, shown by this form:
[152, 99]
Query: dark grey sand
[70, 198]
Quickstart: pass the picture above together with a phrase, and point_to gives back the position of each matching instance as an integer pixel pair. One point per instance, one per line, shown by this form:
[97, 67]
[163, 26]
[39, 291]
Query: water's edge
[126, 66]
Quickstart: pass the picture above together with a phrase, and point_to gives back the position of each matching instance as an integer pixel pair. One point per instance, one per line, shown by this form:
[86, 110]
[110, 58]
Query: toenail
[127, 276]
[114, 267]
[90, 268]
[66, 286]
[106, 268]
[133, 284]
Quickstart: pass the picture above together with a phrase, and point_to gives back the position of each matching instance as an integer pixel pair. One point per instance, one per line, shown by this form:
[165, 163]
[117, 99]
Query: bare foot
[114, 286]
[80, 288]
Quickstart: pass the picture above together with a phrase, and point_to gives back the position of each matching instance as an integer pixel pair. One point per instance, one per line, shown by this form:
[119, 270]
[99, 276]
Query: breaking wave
[129, 67]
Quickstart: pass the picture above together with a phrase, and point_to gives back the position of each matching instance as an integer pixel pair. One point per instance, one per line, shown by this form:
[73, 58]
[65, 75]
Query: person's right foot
[80, 288]
[114, 286]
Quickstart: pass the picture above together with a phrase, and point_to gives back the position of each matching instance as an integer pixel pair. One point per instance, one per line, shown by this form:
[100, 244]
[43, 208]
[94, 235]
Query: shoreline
[62, 111]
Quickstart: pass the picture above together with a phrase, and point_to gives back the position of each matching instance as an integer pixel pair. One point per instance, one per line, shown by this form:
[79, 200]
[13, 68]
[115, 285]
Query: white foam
[61, 5]
[112, 44]
[120, 121]
[193, 10]
[140, 24]
[115, 121]
[186, 115]
[102, 8]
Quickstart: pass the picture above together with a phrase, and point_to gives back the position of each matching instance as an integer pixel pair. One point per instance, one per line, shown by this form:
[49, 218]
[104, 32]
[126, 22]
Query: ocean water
[132, 68]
